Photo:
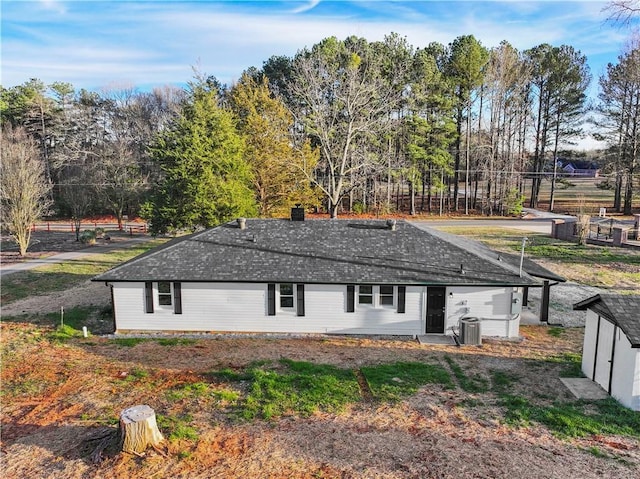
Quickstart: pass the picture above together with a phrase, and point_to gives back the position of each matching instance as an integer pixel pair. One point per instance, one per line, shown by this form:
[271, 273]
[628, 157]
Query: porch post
[544, 305]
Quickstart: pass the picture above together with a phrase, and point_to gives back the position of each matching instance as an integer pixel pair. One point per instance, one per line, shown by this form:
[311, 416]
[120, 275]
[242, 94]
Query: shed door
[602, 371]
[435, 310]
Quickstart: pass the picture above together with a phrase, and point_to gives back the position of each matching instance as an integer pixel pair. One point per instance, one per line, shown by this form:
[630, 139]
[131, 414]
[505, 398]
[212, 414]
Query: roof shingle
[621, 309]
[322, 251]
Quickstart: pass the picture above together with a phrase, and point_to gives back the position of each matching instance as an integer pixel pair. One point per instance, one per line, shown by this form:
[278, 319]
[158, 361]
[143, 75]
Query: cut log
[138, 429]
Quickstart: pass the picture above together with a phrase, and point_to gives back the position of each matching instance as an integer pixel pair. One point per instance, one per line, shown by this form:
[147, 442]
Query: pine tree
[205, 180]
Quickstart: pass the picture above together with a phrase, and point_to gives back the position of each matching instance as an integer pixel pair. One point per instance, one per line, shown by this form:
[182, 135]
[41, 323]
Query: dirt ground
[59, 400]
[52, 423]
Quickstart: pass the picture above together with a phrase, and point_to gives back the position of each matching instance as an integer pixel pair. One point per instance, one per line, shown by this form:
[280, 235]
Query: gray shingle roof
[321, 251]
[621, 309]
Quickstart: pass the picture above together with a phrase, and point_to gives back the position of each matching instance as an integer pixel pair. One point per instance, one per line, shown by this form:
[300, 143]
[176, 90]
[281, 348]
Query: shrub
[88, 237]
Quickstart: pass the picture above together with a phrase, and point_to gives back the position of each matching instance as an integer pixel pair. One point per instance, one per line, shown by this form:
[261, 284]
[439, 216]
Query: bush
[513, 202]
[358, 208]
[88, 237]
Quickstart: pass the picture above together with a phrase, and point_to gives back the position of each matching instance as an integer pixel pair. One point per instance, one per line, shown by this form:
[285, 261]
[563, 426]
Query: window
[286, 295]
[164, 293]
[365, 294]
[382, 296]
[386, 295]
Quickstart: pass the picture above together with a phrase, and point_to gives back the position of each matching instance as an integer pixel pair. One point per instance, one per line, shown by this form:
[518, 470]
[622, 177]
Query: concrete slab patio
[584, 388]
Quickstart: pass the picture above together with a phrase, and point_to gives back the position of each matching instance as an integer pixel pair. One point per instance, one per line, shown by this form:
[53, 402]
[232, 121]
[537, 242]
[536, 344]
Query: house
[583, 168]
[611, 351]
[321, 276]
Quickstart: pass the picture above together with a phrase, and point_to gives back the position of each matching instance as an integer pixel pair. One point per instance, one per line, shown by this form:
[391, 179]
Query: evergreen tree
[205, 180]
[280, 170]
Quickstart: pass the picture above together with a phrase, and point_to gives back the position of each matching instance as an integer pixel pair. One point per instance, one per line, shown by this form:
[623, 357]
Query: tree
[342, 99]
[623, 12]
[571, 79]
[280, 170]
[430, 125]
[23, 185]
[465, 67]
[620, 107]
[560, 77]
[204, 178]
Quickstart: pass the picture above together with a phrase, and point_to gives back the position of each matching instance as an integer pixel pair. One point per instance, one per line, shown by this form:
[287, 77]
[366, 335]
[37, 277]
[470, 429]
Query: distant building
[586, 169]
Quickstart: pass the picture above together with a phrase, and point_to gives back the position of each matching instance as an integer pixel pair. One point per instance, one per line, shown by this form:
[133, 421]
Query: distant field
[575, 196]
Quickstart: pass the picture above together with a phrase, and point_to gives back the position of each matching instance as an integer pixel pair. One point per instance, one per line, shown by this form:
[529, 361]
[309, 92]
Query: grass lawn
[62, 276]
[592, 265]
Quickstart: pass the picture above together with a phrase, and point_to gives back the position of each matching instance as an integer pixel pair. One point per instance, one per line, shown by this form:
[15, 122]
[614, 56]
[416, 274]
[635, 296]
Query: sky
[148, 43]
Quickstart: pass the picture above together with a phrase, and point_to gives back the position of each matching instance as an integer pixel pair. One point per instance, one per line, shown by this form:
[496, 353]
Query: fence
[131, 228]
[598, 230]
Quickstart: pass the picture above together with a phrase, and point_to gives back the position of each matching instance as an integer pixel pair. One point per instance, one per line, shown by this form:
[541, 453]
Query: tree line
[345, 125]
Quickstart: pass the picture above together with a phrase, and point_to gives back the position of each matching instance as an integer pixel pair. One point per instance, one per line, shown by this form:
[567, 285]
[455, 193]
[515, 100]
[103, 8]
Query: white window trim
[377, 304]
[156, 296]
[294, 308]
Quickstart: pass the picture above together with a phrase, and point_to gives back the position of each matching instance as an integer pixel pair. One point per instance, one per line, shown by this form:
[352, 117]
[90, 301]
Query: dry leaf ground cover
[308, 407]
[297, 407]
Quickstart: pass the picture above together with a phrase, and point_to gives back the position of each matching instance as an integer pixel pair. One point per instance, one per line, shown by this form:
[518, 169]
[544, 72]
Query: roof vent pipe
[462, 271]
[391, 224]
[242, 223]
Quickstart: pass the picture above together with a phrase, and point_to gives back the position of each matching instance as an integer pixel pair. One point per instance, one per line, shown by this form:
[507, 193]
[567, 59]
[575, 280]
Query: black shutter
[177, 298]
[300, 308]
[402, 291]
[271, 299]
[351, 298]
[148, 296]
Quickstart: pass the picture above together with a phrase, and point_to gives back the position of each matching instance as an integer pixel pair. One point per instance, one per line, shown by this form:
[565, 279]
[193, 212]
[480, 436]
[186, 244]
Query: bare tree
[343, 98]
[24, 188]
[622, 12]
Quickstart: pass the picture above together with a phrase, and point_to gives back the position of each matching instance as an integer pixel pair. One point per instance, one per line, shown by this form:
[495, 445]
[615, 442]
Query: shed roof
[621, 309]
[325, 251]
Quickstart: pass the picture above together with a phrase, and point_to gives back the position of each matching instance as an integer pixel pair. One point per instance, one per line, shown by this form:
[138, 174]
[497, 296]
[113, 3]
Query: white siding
[625, 384]
[243, 307]
[492, 305]
[589, 344]
[625, 377]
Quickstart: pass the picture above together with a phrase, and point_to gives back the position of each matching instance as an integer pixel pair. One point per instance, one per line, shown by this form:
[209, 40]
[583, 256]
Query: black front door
[435, 310]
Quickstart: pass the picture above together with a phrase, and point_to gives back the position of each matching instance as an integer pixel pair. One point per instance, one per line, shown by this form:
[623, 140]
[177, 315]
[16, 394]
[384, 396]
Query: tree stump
[138, 429]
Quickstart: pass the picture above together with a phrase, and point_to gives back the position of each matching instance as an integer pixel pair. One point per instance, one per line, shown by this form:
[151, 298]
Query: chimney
[297, 213]
[391, 224]
[242, 223]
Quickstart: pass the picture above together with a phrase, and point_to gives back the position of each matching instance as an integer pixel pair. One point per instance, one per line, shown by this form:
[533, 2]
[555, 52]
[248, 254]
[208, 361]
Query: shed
[611, 351]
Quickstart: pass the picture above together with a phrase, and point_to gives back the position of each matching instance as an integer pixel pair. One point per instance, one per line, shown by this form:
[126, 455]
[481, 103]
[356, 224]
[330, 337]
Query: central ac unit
[470, 331]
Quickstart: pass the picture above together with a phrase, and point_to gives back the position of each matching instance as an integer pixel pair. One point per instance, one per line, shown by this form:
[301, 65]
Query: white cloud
[156, 42]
